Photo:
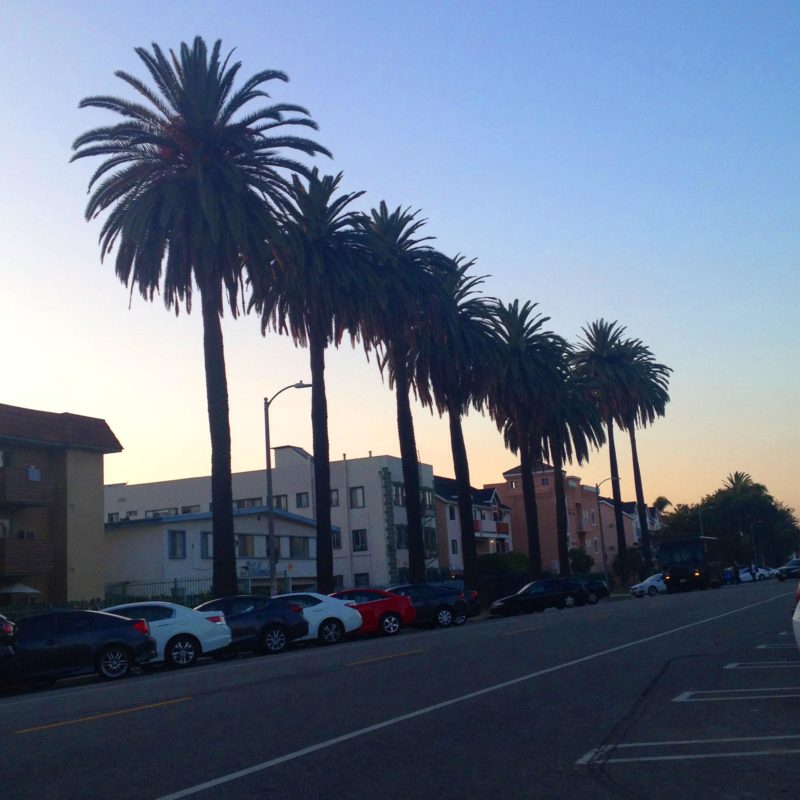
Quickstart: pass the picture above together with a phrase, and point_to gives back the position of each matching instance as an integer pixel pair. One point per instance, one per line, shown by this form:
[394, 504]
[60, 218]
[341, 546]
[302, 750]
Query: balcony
[18, 489]
[20, 557]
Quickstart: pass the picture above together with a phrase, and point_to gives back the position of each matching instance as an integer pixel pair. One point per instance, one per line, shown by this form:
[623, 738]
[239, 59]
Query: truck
[688, 563]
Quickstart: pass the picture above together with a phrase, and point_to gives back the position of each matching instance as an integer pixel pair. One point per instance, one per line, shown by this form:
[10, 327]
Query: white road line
[775, 647]
[736, 694]
[762, 665]
[243, 773]
[698, 756]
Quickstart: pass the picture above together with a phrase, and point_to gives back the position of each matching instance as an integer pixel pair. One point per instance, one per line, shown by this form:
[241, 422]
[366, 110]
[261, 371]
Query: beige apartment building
[51, 504]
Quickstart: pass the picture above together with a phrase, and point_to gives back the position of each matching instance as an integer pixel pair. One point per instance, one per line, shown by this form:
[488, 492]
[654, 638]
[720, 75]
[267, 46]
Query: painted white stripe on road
[713, 695]
[762, 665]
[324, 745]
[775, 647]
[699, 756]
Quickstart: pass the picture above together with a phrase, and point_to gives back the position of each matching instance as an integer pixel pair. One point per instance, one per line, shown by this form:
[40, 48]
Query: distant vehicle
[470, 595]
[649, 586]
[791, 569]
[381, 611]
[259, 623]
[328, 619]
[7, 629]
[539, 595]
[61, 644]
[596, 588]
[686, 564]
[182, 635]
[437, 605]
[796, 624]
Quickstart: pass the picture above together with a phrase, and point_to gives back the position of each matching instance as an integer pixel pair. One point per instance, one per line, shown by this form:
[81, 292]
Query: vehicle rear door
[34, 645]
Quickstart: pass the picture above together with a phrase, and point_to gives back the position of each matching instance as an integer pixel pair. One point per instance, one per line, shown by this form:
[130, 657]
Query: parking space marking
[105, 715]
[763, 665]
[713, 695]
[383, 658]
[602, 754]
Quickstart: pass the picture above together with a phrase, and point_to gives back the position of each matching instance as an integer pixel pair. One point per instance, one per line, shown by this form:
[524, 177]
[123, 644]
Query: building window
[545, 481]
[361, 579]
[245, 545]
[401, 537]
[113, 517]
[596, 548]
[483, 513]
[426, 497]
[334, 498]
[301, 499]
[356, 497]
[593, 519]
[451, 512]
[336, 540]
[359, 540]
[399, 494]
[513, 484]
[501, 546]
[281, 501]
[187, 510]
[206, 545]
[429, 541]
[161, 512]
[246, 502]
[298, 547]
[131, 515]
[177, 544]
[338, 582]
[454, 547]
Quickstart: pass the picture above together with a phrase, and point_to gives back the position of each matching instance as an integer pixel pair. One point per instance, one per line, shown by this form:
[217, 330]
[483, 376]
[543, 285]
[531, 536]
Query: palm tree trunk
[322, 465]
[640, 504]
[461, 468]
[562, 527]
[529, 502]
[224, 552]
[408, 454]
[622, 545]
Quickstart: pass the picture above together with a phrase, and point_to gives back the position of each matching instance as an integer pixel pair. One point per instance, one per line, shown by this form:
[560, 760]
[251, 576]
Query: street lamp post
[600, 522]
[271, 548]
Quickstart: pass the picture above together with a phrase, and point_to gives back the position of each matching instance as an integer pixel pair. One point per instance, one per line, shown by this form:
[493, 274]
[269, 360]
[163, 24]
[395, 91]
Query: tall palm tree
[312, 292]
[395, 323]
[603, 360]
[646, 400]
[453, 368]
[188, 179]
[521, 387]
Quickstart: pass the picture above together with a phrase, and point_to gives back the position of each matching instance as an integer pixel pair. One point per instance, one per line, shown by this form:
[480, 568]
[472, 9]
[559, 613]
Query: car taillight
[351, 605]
[142, 626]
[473, 594]
[296, 608]
[218, 618]
[461, 595]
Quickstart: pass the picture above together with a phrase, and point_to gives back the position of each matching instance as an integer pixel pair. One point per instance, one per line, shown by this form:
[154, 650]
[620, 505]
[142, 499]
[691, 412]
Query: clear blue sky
[632, 161]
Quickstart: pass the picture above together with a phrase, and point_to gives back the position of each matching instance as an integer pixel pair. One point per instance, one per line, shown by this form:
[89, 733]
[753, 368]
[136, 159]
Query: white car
[796, 623]
[328, 619]
[649, 586]
[182, 634]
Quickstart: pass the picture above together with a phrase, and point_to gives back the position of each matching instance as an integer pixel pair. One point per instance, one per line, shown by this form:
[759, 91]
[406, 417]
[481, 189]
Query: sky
[629, 161]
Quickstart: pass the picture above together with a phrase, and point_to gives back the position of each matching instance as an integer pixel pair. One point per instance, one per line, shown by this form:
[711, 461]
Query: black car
[259, 623]
[596, 588]
[539, 595]
[438, 605]
[470, 595]
[61, 644]
[791, 569]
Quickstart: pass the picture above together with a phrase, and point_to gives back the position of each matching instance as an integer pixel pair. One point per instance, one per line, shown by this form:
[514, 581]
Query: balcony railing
[19, 557]
[21, 486]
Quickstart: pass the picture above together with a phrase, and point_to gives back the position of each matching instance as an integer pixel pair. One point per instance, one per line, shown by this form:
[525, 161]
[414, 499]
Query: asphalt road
[695, 695]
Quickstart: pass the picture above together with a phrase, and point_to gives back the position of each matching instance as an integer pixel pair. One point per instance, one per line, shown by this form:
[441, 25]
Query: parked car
[182, 634]
[796, 624]
[539, 595]
[329, 619]
[61, 644]
[470, 595]
[791, 569]
[650, 586]
[7, 628]
[381, 611]
[596, 588]
[259, 623]
[437, 605]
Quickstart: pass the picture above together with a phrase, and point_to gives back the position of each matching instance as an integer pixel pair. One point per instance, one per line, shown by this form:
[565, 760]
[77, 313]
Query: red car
[382, 612]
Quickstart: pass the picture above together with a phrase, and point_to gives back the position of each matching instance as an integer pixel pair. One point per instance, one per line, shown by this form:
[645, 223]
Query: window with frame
[299, 547]
[281, 501]
[361, 579]
[513, 484]
[426, 498]
[359, 540]
[245, 545]
[336, 540]
[334, 498]
[113, 517]
[206, 545]
[429, 541]
[154, 513]
[451, 512]
[131, 515]
[247, 502]
[545, 481]
[483, 513]
[399, 491]
[356, 497]
[338, 582]
[188, 509]
[301, 499]
[454, 547]
[501, 546]
[401, 537]
[176, 542]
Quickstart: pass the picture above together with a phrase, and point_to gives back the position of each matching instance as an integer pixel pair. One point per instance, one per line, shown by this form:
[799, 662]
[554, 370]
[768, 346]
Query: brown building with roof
[51, 503]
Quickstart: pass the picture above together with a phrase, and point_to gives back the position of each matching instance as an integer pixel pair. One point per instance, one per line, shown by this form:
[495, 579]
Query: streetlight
[271, 549]
[600, 521]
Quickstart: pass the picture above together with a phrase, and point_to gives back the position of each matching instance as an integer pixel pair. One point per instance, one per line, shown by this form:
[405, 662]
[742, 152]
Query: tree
[313, 291]
[189, 180]
[526, 374]
[395, 323]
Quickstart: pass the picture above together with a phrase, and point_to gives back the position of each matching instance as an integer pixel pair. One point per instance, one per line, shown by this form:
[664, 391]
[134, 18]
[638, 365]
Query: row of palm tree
[198, 196]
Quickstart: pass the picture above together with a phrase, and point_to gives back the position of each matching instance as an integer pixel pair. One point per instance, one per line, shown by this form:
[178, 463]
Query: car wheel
[652, 591]
[459, 618]
[274, 640]
[114, 662]
[331, 631]
[390, 624]
[569, 601]
[181, 651]
[592, 598]
[443, 617]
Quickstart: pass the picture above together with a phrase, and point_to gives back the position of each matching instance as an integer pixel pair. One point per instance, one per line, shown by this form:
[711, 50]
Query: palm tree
[646, 400]
[189, 180]
[395, 323]
[453, 369]
[604, 362]
[522, 387]
[312, 293]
